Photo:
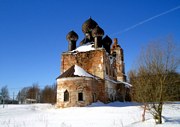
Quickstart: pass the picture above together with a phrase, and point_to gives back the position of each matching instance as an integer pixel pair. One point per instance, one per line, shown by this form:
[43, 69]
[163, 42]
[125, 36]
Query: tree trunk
[144, 112]
[159, 114]
[160, 118]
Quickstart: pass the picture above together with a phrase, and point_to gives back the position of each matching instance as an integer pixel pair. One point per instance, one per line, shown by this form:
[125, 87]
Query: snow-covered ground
[115, 114]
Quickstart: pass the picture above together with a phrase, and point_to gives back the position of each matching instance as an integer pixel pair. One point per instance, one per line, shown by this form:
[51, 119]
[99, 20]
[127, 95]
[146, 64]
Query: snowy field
[115, 114]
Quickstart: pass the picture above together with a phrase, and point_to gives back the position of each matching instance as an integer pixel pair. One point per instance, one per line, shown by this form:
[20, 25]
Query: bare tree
[155, 76]
[48, 94]
[4, 95]
[34, 92]
[22, 95]
[5, 92]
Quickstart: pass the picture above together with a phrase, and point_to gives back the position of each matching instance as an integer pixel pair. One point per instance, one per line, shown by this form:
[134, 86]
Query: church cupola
[88, 25]
[72, 37]
[97, 34]
[107, 41]
[87, 28]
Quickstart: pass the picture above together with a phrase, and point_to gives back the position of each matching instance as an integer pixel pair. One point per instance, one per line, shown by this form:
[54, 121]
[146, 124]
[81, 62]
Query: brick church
[93, 71]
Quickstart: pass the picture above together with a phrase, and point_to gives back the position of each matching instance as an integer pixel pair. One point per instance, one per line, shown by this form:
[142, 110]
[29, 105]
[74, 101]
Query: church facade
[94, 71]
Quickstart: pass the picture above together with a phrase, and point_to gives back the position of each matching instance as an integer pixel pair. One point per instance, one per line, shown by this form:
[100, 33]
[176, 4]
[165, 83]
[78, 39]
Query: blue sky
[33, 33]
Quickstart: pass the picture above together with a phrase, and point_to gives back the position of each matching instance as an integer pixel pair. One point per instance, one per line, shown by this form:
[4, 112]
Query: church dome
[88, 25]
[107, 40]
[97, 31]
[72, 36]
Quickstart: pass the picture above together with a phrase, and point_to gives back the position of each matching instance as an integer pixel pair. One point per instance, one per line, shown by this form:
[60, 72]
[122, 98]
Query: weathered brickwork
[120, 66]
[91, 88]
[102, 66]
[98, 63]
[91, 61]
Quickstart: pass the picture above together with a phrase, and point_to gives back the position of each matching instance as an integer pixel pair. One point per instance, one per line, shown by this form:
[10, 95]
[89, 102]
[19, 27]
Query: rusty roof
[68, 73]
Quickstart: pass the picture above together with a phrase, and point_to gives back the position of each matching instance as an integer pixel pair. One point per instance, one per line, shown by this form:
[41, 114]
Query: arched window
[66, 96]
[80, 96]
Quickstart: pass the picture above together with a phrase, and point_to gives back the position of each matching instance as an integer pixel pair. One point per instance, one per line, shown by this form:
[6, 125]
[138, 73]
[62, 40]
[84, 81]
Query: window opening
[80, 96]
[66, 96]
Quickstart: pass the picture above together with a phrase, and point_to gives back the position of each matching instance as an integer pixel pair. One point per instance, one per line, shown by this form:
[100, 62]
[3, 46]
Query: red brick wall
[91, 61]
[74, 85]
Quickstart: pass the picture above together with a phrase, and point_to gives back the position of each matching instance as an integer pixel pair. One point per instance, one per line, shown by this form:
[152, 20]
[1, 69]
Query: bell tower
[118, 53]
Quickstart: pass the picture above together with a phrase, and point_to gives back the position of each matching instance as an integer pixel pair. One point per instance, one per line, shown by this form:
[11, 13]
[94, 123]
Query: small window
[80, 96]
[106, 70]
[114, 54]
[66, 96]
[94, 97]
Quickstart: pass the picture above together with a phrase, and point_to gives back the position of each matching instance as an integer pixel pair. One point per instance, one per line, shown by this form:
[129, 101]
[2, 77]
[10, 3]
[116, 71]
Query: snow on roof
[111, 80]
[127, 85]
[81, 72]
[85, 47]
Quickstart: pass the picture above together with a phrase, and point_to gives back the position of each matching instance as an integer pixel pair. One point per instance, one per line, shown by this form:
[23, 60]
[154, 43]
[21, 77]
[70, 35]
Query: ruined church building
[94, 71]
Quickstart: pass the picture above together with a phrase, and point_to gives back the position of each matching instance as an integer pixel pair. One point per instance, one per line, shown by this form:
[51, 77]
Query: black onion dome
[107, 40]
[72, 36]
[88, 25]
[97, 31]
